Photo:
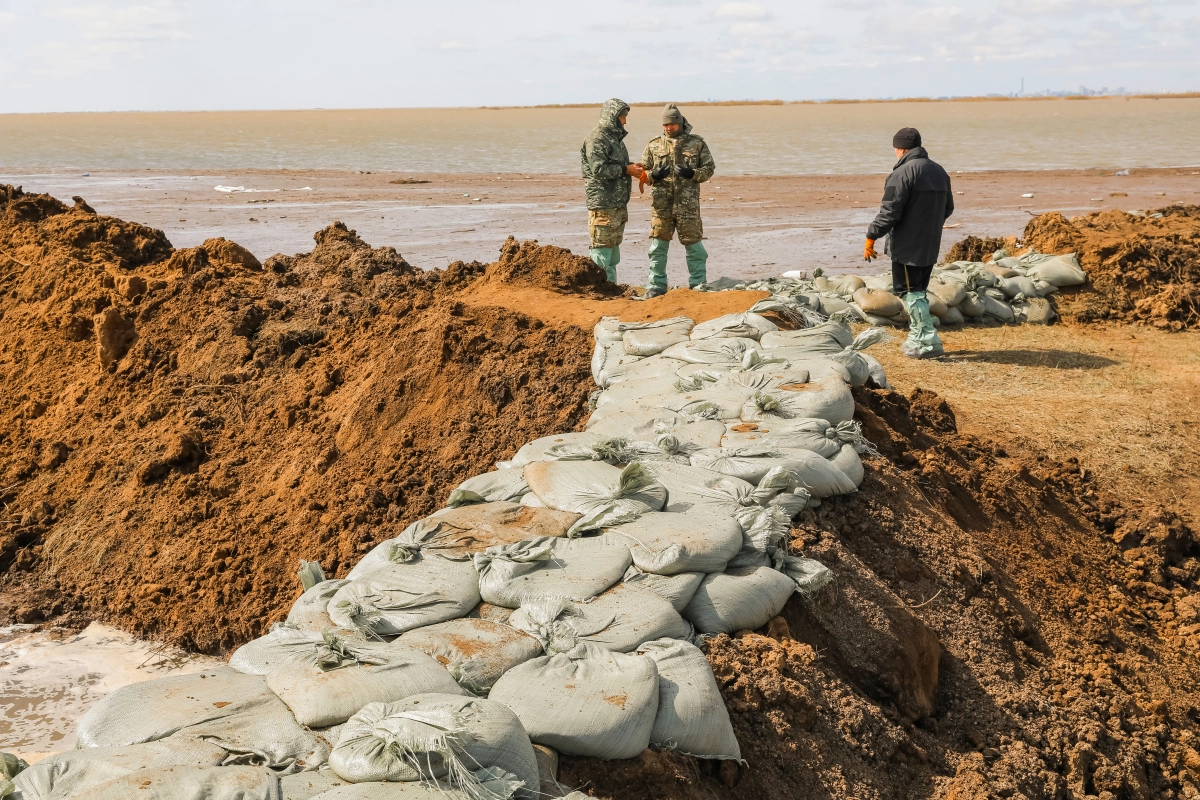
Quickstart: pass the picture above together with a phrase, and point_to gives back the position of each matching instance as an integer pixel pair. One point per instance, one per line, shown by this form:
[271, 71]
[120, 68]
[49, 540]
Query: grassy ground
[1124, 401]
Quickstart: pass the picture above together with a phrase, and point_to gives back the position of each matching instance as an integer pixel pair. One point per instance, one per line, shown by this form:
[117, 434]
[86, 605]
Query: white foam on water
[48, 681]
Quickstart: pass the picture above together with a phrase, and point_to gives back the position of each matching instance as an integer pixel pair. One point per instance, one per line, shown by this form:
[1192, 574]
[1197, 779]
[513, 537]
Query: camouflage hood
[610, 116]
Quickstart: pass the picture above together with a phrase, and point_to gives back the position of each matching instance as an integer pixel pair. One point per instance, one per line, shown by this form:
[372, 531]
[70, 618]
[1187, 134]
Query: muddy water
[47, 682]
[746, 140]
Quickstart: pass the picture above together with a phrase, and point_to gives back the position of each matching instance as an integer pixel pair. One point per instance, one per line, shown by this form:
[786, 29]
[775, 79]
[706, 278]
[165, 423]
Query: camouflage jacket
[685, 150]
[603, 159]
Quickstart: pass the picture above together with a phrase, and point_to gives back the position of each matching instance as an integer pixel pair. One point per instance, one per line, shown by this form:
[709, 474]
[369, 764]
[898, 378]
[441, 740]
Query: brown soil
[186, 426]
[1140, 268]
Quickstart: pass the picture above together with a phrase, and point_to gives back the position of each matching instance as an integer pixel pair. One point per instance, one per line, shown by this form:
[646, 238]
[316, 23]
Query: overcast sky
[237, 54]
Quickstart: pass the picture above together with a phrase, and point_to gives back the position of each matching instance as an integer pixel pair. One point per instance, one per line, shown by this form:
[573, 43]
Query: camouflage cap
[671, 115]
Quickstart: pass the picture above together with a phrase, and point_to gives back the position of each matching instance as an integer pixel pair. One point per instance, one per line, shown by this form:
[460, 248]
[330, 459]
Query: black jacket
[917, 200]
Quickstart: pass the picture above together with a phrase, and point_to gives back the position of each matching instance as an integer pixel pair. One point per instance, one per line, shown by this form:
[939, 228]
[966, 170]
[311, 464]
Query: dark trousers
[907, 278]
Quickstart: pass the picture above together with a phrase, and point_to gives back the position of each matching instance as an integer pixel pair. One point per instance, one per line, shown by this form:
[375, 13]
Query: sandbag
[651, 338]
[950, 292]
[626, 394]
[430, 736]
[878, 302]
[850, 464]
[566, 701]
[191, 783]
[647, 423]
[476, 652]
[746, 325]
[609, 358]
[972, 305]
[953, 316]
[578, 569]
[475, 528]
[816, 435]
[712, 351]
[259, 656]
[1058, 271]
[675, 589]
[816, 474]
[668, 543]
[607, 330]
[702, 490]
[828, 399]
[857, 367]
[620, 619]
[844, 285]
[744, 598]
[1035, 310]
[497, 787]
[603, 494]
[424, 589]
[307, 785]
[330, 683]
[491, 487]
[998, 309]
[1019, 285]
[828, 337]
[691, 714]
[637, 368]
[818, 367]
[75, 772]
[937, 306]
[578, 446]
[310, 612]
[237, 712]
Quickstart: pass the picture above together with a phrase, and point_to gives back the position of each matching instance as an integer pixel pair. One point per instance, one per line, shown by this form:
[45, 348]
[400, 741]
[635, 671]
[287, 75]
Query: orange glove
[643, 179]
[869, 253]
[636, 170]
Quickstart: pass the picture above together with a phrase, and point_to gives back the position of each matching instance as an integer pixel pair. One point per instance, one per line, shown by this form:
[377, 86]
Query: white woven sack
[259, 656]
[1058, 271]
[850, 463]
[828, 337]
[746, 325]
[843, 285]
[800, 361]
[675, 589]
[744, 598]
[307, 785]
[651, 338]
[692, 488]
[578, 569]
[192, 783]
[74, 772]
[691, 712]
[1020, 285]
[423, 590]
[588, 702]
[501, 484]
[475, 528]
[435, 736]
[816, 435]
[645, 424]
[953, 316]
[997, 309]
[712, 351]
[310, 612]
[852, 358]
[627, 394]
[476, 652]
[234, 711]
[829, 399]
[605, 495]
[494, 785]
[950, 292]
[578, 446]
[333, 681]
[636, 368]
[667, 543]
[620, 619]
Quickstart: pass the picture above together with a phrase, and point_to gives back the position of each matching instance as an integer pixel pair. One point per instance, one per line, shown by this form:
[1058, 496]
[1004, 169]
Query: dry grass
[1125, 401]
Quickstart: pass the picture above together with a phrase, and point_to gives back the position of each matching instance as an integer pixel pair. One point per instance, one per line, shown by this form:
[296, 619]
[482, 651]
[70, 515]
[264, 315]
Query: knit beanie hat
[906, 139]
[671, 115]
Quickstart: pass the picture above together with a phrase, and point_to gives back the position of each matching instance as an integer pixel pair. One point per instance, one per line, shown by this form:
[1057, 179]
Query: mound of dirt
[184, 426]
[975, 248]
[996, 629]
[529, 264]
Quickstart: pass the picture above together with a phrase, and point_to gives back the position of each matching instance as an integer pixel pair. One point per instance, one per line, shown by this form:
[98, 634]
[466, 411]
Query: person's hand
[636, 170]
[687, 173]
[869, 253]
[660, 173]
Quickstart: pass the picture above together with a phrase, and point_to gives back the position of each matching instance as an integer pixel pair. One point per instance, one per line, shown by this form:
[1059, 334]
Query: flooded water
[798, 139]
[47, 681]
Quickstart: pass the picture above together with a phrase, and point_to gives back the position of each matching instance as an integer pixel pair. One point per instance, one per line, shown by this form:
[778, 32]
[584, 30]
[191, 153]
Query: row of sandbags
[1007, 289]
[457, 656]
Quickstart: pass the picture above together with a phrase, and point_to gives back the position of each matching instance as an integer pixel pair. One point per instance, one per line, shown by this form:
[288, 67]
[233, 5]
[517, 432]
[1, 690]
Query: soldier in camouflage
[677, 163]
[609, 176]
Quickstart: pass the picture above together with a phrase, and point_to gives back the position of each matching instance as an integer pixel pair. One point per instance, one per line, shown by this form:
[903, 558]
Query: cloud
[159, 22]
[742, 11]
[455, 46]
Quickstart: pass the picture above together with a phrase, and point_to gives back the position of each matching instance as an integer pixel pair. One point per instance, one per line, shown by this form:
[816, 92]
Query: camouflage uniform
[675, 206]
[603, 159]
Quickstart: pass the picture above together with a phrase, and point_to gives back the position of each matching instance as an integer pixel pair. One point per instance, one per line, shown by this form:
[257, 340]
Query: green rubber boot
[922, 341]
[697, 263]
[656, 283]
[607, 259]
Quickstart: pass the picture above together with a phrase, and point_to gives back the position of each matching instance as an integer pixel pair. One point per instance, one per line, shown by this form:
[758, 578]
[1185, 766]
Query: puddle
[48, 681]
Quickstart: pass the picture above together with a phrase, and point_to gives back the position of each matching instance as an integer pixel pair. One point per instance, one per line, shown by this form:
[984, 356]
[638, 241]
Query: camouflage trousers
[606, 226]
[688, 225]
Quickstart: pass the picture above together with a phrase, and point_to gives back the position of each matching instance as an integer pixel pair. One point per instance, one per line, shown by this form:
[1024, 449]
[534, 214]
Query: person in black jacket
[917, 200]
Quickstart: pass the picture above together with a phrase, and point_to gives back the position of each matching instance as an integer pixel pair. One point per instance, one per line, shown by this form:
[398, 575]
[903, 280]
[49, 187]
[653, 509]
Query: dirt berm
[180, 427]
[1141, 267]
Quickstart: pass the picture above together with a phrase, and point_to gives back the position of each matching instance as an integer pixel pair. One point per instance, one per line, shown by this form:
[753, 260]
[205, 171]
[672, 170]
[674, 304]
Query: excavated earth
[1141, 268]
[180, 427]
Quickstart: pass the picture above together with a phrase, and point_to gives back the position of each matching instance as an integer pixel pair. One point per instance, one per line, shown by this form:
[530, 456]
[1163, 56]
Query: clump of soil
[997, 628]
[530, 264]
[975, 248]
[182, 426]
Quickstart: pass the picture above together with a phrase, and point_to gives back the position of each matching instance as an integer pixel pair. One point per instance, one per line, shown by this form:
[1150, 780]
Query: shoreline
[754, 226]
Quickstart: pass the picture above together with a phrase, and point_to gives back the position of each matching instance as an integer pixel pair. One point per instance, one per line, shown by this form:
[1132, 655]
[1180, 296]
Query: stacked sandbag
[567, 587]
